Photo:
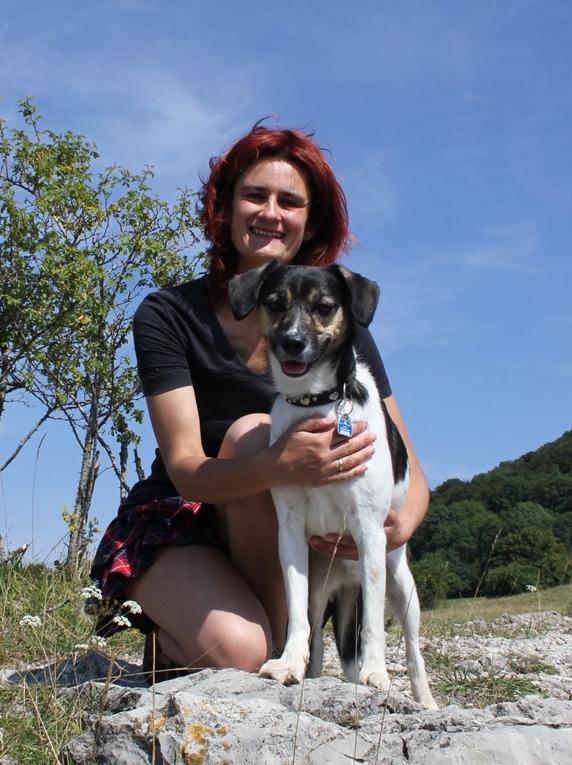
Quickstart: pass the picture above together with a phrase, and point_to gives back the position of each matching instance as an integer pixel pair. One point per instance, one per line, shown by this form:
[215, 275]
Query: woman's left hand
[333, 545]
[345, 547]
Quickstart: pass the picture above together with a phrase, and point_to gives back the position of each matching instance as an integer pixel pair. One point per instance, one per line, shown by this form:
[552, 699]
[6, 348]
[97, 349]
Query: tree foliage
[79, 249]
[504, 530]
[531, 557]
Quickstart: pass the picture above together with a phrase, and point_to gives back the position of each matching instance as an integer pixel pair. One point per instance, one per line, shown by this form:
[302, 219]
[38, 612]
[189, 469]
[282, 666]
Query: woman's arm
[306, 455]
[400, 526]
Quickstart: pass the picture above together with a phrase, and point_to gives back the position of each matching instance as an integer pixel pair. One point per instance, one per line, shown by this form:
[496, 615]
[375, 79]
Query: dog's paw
[287, 672]
[378, 678]
[425, 698]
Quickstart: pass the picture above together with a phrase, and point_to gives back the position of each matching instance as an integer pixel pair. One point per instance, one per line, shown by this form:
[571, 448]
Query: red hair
[328, 216]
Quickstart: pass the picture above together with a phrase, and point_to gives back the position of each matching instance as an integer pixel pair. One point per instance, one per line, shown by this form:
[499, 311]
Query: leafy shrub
[526, 515]
[510, 579]
[529, 557]
[463, 535]
[434, 580]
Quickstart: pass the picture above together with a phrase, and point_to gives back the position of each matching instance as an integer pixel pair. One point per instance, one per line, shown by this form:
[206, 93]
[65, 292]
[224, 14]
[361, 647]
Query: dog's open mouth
[294, 368]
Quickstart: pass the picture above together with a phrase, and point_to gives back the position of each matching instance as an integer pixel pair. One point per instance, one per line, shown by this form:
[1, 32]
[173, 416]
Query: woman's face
[270, 209]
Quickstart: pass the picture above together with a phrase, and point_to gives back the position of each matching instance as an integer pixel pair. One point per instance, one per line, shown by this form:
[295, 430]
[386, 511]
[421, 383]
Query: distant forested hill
[502, 532]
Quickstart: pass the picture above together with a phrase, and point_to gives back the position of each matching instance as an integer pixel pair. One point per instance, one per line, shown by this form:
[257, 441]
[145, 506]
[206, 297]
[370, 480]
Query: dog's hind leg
[347, 613]
[402, 596]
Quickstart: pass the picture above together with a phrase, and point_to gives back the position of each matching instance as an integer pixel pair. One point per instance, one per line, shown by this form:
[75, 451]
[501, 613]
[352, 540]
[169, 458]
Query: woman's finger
[332, 545]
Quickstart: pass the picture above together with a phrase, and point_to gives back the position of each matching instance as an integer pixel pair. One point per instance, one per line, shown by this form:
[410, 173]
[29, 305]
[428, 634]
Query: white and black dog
[307, 316]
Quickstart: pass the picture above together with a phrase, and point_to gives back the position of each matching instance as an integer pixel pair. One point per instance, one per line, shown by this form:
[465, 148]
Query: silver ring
[340, 466]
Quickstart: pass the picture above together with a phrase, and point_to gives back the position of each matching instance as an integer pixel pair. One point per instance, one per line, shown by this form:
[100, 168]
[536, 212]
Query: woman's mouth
[266, 233]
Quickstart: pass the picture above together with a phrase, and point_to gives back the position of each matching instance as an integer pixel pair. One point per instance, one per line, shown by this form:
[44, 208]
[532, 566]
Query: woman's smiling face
[270, 209]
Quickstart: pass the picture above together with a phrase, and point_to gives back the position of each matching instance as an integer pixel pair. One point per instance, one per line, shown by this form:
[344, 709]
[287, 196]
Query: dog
[308, 316]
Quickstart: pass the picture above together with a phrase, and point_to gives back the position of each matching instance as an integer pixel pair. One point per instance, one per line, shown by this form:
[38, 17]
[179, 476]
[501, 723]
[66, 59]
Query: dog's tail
[346, 610]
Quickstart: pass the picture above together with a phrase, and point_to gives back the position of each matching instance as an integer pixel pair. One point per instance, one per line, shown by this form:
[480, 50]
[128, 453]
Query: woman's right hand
[311, 453]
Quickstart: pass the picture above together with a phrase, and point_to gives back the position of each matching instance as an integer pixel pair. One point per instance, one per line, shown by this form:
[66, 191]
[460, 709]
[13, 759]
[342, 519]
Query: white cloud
[170, 126]
[372, 197]
[430, 298]
[504, 247]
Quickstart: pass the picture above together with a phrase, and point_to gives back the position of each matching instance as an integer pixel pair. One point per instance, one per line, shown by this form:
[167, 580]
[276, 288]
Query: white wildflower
[132, 606]
[122, 621]
[98, 642]
[30, 621]
[92, 592]
[531, 588]
[81, 647]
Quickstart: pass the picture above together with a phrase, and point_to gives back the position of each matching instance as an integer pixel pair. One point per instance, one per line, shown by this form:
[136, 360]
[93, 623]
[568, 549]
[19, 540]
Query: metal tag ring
[344, 407]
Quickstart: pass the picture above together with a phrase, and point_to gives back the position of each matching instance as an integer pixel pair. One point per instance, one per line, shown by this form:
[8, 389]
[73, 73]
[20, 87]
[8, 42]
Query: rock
[75, 670]
[228, 716]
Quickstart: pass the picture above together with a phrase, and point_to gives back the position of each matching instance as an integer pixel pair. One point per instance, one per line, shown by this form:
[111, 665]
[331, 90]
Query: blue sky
[448, 125]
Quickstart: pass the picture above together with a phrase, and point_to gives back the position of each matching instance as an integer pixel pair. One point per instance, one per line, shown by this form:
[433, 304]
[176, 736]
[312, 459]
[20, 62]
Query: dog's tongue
[294, 367]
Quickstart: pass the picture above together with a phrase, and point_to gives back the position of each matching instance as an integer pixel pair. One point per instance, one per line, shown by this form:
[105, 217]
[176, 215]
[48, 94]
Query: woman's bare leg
[206, 612]
[252, 529]
[212, 611]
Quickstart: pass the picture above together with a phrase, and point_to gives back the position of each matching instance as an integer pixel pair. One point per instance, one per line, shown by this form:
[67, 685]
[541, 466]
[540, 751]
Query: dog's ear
[243, 289]
[363, 294]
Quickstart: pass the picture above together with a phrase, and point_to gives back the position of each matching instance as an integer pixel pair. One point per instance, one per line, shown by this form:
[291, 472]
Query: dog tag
[345, 427]
[343, 409]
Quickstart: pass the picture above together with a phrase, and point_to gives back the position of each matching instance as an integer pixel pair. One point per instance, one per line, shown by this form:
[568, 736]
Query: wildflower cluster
[30, 621]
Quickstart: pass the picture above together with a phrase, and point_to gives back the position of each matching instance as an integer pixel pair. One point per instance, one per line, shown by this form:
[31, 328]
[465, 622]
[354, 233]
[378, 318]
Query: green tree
[80, 249]
[463, 534]
[563, 530]
[526, 558]
[434, 579]
[526, 515]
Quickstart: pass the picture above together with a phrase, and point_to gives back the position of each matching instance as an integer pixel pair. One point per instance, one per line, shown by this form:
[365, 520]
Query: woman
[205, 568]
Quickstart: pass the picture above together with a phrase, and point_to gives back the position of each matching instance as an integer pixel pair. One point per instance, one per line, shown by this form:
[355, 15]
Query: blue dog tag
[344, 426]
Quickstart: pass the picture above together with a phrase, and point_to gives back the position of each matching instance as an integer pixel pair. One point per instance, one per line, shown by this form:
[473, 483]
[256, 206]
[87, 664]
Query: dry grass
[461, 610]
[42, 622]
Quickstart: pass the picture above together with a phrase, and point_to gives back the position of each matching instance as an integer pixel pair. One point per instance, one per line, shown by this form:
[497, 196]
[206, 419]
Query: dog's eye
[273, 304]
[325, 309]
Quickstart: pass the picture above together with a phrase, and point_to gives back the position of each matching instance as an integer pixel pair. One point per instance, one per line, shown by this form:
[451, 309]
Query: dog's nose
[293, 343]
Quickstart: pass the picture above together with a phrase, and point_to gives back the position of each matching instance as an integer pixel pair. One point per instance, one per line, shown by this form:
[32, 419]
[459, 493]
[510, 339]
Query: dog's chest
[332, 509]
[319, 511]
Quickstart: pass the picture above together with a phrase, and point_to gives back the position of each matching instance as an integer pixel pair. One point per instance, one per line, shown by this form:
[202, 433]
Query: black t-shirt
[179, 342]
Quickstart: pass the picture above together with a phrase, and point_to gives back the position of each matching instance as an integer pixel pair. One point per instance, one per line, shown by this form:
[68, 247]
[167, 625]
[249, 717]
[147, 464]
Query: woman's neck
[244, 336]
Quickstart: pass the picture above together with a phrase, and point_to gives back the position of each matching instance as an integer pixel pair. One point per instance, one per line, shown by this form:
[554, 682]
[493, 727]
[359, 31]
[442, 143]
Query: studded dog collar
[327, 397]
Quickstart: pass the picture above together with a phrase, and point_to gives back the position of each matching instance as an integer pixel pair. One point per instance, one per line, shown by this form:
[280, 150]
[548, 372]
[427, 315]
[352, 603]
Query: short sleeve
[161, 346]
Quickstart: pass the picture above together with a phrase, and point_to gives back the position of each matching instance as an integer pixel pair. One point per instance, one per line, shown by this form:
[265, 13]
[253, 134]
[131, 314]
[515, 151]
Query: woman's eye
[290, 204]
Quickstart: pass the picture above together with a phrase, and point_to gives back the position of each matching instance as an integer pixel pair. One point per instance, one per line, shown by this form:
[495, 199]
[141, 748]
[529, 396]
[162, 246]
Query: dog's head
[305, 313]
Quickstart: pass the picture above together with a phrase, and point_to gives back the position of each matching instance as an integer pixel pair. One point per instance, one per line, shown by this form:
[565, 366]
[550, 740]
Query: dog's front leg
[373, 670]
[291, 667]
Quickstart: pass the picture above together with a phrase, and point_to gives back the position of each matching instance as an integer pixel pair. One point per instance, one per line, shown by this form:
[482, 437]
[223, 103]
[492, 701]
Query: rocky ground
[535, 646]
[232, 717]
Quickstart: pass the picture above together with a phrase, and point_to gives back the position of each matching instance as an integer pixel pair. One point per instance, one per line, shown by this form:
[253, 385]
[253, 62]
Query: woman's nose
[270, 208]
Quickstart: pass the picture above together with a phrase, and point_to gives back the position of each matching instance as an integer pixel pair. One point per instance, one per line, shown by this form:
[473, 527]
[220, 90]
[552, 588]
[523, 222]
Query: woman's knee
[231, 641]
[248, 435]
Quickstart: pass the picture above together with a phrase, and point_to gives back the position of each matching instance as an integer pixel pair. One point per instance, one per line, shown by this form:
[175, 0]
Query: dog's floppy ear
[363, 294]
[243, 289]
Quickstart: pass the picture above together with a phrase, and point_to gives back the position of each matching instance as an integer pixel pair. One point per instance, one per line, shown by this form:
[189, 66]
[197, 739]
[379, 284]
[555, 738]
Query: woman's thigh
[206, 613]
